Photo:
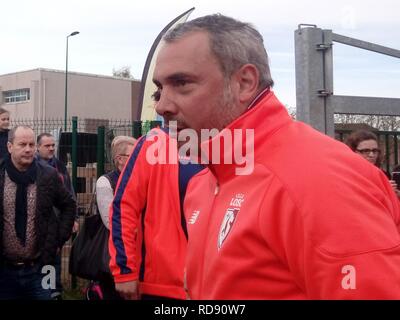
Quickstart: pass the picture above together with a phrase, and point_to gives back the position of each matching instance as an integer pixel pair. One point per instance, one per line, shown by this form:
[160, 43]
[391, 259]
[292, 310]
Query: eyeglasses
[368, 151]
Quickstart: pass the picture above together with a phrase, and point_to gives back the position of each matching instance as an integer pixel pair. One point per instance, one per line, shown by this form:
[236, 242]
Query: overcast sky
[120, 33]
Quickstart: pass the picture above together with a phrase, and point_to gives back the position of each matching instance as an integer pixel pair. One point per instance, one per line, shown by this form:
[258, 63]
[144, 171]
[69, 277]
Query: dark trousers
[57, 265]
[107, 286]
[22, 283]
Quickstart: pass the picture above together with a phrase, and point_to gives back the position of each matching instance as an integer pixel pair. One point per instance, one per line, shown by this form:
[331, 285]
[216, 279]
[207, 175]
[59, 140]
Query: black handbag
[89, 257]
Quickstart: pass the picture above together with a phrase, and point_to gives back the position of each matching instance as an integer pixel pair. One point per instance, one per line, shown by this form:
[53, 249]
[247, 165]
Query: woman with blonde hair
[4, 123]
[121, 148]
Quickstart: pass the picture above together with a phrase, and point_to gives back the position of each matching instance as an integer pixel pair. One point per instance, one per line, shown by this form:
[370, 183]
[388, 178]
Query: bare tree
[123, 72]
[382, 123]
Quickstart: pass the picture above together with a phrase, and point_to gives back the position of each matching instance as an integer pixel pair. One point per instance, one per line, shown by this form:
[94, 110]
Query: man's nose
[166, 105]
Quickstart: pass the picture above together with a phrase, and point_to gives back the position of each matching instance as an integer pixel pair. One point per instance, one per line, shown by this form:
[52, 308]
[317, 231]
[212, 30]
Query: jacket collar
[236, 146]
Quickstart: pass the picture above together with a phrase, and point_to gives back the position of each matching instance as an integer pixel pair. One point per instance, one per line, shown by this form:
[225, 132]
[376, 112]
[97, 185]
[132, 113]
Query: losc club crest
[226, 225]
[229, 219]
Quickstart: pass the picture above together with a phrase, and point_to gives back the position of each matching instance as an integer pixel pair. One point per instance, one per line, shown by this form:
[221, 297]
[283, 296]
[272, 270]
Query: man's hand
[128, 290]
[75, 228]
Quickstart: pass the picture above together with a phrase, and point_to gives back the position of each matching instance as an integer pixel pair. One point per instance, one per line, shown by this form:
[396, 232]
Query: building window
[19, 95]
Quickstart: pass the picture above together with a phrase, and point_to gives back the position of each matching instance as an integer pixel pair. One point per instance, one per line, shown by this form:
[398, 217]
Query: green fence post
[100, 150]
[155, 124]
[137, 129]
[74, 151]
[74, 156]
[396, 149]
[145, 127]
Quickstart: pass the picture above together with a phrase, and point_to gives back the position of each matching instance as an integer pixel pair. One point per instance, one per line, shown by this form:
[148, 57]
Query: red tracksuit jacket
[147, 242]
[312, 221]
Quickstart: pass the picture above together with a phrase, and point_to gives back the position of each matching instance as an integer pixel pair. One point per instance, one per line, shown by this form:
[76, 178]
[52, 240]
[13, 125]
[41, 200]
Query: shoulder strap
[113, 178]
[93, 205]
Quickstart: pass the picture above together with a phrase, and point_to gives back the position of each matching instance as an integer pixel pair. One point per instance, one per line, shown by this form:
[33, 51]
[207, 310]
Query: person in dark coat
[31, 234]
[46, 146]
[4, 123]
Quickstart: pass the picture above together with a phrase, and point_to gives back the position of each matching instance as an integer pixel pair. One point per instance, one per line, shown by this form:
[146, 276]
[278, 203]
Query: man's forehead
[24, 133]
[183, 56]
[48, 140]
[191, 43]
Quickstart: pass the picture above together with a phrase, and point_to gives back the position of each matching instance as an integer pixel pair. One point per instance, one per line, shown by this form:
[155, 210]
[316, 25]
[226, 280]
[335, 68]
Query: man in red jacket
[307, 218]
[148, 234]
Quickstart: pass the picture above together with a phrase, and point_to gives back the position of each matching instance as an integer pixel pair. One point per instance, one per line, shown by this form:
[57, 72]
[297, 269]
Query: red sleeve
[125, 211]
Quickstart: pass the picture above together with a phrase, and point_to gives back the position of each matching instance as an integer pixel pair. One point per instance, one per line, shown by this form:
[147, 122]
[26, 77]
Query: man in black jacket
[30, 232]
[46, 147]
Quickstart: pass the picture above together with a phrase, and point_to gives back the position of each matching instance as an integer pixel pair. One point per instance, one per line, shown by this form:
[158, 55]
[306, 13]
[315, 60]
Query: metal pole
[74, 170]
[66, 81]
[387, 155]
[100, 150]
[155, 124]
[137, 129]
[310, 78]
[74, 151]
[66, 88]
[396, 149]
[328, 83]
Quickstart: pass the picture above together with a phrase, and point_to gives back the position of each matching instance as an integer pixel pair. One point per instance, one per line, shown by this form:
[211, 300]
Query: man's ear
[247, 78]
[9, 146]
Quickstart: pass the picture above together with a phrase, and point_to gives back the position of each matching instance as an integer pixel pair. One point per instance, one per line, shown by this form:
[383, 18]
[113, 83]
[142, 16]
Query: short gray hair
[233, 43]
[11, 133]
[40, 137]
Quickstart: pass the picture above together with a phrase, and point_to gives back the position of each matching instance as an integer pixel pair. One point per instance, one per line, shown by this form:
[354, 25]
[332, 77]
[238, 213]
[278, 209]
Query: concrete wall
[21, 80]
[89, 96]
[135, 97]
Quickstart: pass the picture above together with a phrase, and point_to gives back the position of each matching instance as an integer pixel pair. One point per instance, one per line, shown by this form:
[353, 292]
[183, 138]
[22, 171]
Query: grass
[73, 294]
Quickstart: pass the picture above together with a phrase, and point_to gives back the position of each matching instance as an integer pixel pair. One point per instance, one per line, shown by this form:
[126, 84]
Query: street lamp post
[66, 82]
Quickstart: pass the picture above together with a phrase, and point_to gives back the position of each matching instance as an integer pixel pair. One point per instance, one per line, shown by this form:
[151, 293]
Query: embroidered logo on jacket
[229, 218]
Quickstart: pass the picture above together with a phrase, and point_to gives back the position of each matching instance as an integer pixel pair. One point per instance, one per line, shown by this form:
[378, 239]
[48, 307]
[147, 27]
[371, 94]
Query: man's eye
[180, 82]
[156, 95]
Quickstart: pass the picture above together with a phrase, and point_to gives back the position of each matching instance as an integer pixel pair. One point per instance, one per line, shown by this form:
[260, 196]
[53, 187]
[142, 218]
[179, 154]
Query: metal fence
[316, 102]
